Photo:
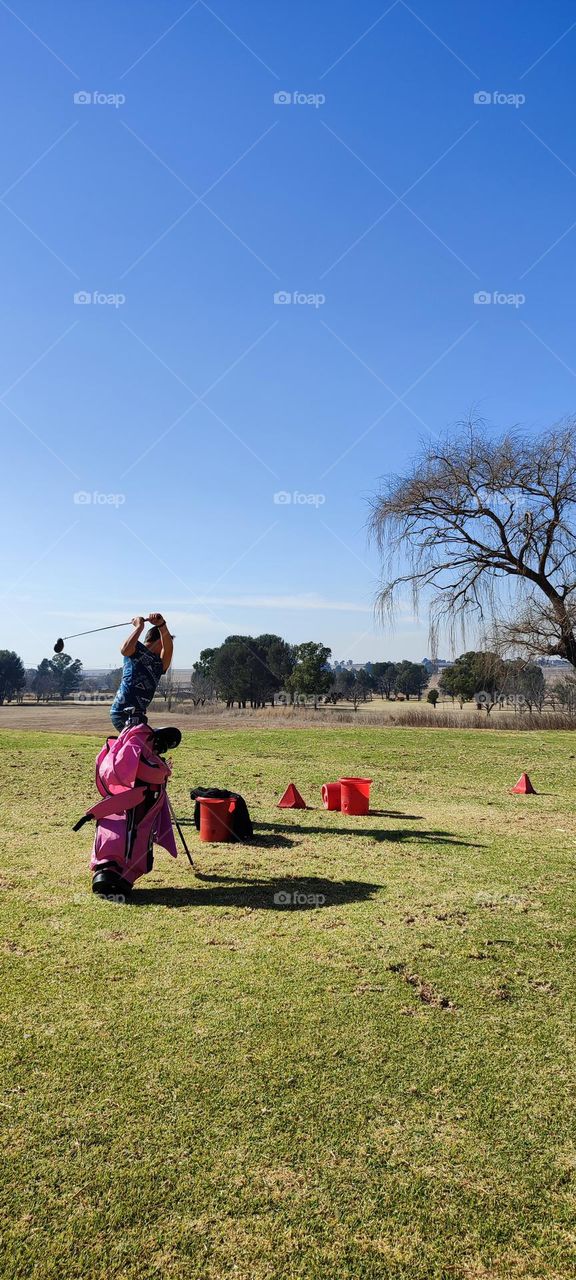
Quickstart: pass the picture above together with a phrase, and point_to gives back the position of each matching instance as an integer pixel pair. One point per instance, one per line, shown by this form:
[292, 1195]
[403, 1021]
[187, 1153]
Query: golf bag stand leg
[179, 830]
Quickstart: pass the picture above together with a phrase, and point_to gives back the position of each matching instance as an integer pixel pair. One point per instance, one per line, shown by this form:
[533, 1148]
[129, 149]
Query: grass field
[205, 1084]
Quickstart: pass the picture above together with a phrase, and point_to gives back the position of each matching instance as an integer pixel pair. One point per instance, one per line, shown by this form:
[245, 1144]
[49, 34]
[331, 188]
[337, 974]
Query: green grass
[205, 1085]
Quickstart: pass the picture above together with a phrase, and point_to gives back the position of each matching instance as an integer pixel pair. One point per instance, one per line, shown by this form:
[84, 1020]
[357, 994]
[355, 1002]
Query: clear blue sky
[197, 399]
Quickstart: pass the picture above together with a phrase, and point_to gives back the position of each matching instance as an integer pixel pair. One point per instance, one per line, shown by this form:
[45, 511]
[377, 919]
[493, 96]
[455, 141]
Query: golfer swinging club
[143, 666]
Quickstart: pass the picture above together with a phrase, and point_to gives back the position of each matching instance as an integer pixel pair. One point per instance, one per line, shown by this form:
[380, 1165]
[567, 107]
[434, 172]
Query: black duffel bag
[241, 825]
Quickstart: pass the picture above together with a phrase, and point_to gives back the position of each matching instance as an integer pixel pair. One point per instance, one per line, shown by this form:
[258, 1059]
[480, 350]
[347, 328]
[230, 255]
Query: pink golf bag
[134, 814]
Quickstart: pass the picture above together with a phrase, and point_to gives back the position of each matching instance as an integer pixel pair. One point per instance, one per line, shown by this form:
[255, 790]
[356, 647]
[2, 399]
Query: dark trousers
[118, 719]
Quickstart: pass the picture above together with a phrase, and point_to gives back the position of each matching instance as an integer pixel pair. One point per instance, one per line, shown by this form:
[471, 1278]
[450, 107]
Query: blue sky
[182, 398]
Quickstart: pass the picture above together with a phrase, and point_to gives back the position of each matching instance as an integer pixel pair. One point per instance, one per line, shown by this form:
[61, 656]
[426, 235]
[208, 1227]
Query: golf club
[58, 647]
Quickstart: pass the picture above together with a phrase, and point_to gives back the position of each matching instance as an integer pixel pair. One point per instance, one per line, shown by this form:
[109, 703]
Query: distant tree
[204, 663]
[222, 664]
[493, 680]
[477, 675]
[201, 688]
[311, 676]
[360, 686]
[44, 681]
[411, 678]
[564, 691]
[432, 697]
[460, 679]
[280, 659]
[12, 675]
[67, 673]
[240, 672]
[347, 687]
[111, 681]
[342, 682]
[366, 683]
[523, 683]
[384, 674]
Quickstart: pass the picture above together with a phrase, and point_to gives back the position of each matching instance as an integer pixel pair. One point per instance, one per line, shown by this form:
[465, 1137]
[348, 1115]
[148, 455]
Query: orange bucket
[355, 795]
[215, 819]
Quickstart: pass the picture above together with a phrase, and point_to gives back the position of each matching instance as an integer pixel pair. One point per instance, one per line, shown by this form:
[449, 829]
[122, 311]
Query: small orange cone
[523, 787]
[292, 799]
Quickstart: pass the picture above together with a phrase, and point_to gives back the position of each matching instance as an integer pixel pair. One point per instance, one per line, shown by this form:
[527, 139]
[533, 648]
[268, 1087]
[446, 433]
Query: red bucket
[215, 817]
[331, 795]
[355, 795]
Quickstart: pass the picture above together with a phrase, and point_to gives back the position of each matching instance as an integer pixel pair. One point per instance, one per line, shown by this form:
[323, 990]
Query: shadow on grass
[408, 835]
[399, 835]
[394, 813]
[279, 894]
[272, 839]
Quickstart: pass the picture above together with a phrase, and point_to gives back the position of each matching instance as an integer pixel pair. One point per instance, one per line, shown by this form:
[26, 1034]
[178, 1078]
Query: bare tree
[201, 689]
[483, 527]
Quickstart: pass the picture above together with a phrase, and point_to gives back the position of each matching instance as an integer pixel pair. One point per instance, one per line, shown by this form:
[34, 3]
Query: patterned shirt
[140, 676]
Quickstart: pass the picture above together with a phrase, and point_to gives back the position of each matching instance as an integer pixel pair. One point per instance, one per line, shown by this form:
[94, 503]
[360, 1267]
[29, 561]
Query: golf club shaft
[94, 629]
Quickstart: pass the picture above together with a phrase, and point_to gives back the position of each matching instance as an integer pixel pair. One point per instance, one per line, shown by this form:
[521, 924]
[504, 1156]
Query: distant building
[436, 664]
[351, 666]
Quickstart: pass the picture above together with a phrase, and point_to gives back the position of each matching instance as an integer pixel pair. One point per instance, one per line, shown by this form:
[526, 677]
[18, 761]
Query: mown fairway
[204, 1084]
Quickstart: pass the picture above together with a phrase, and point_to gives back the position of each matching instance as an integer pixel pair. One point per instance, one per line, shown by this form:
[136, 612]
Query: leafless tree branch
[484, 528]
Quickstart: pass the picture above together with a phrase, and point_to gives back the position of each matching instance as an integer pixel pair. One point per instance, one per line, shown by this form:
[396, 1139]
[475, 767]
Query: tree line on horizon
[254, 670]
[248, 671]
[244, 671]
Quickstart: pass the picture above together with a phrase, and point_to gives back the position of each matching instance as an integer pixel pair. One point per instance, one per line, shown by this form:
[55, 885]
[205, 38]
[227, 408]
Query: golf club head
[166, 739]
[58, 647]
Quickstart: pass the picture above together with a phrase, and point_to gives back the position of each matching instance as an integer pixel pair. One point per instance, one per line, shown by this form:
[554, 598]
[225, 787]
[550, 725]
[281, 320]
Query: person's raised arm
[167, 649]
[129, 646]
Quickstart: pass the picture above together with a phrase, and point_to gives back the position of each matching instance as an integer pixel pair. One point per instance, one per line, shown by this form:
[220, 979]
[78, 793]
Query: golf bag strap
[119, 803]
